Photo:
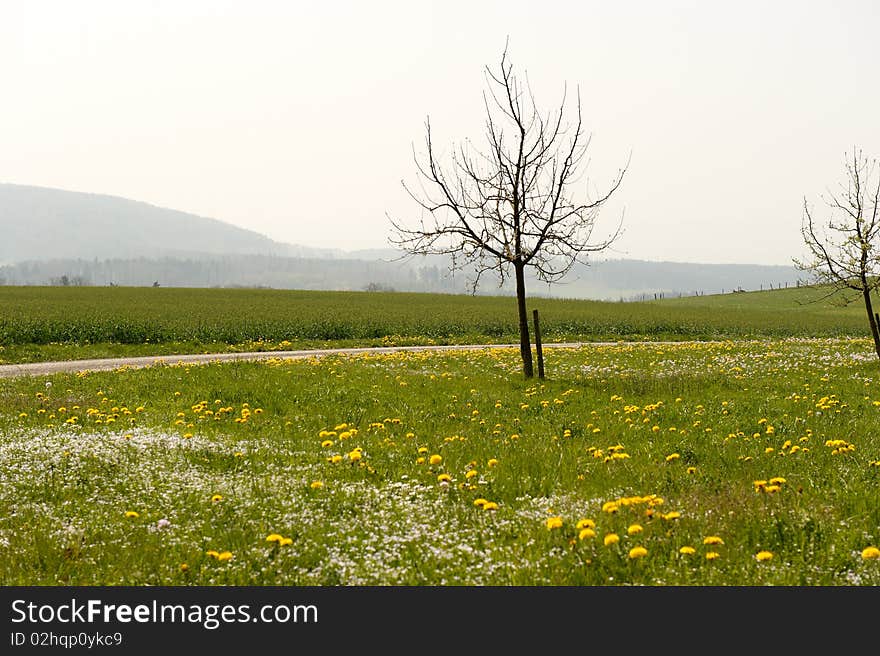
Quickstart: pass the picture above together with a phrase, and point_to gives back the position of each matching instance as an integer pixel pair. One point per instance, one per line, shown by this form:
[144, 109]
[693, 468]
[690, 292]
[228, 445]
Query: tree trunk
[525, 345]
[875, 331]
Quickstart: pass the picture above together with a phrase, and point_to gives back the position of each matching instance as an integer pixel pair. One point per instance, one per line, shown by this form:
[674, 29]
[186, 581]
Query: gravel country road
[48, 368]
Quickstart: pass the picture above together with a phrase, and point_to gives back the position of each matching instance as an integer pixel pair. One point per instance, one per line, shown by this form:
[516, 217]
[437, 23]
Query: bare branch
[844, 251]
[515, 203]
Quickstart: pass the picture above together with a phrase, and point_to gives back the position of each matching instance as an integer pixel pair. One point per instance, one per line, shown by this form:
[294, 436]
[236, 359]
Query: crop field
[55, 323]
[748, 462]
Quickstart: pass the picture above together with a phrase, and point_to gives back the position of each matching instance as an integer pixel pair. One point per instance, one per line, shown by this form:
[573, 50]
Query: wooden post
[538, 348]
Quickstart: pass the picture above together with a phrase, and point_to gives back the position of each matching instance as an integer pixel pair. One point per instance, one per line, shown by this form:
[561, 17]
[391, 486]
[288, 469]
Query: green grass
[660, 445]
[49, 323]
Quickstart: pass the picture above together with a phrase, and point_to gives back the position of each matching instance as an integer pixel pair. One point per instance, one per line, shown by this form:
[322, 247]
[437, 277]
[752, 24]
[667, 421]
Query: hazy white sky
[297, 119]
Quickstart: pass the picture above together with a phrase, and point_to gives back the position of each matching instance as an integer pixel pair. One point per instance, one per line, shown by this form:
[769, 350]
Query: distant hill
[51, 237]
[39, 223]
[642, 279]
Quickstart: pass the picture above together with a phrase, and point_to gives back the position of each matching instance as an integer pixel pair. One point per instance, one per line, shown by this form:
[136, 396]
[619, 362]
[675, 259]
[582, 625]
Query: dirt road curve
[47, 368]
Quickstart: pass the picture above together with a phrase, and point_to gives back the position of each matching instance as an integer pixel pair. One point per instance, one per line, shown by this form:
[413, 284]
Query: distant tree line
[612, 280]
[236, 271]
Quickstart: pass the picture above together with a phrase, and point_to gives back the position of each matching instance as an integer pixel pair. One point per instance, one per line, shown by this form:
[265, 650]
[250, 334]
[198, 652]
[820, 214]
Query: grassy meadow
[744, 451]
[750, 462]
[62, 323]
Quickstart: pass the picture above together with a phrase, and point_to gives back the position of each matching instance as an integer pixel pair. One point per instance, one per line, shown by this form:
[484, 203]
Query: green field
[52, 323]
[744, 451]
[744, 463]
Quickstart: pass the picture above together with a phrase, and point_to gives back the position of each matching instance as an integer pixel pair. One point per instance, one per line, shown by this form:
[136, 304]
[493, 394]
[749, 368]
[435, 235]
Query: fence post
[538, 347]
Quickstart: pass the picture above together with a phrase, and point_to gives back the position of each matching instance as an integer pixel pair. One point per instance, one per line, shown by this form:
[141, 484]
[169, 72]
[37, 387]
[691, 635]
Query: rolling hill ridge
[53, 236]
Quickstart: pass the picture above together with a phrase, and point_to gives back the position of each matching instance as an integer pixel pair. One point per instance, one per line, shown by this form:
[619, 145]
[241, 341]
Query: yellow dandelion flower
[335, 458]
[420, 460]
[471, 473]
[712, 555]
[435, 459]
[672, 514]
[132, 514]
[672, 456]
[224, 555]
[327, 443]
[211, 553]
[355, 455]
[216, 498]
[585, 523]
[634, 529]
[586, 533]
[490, 505]
[273, 537]
[316, 485]
[492, 462]
[184, 567]
[762, 556]
[638, 552]
[691, 470]
[687, 551]
[712, 539]
[554, 522]
[444, 478]
[480, 502]
[283, 542]
[611, 538]
[870, 553]
[610, 507]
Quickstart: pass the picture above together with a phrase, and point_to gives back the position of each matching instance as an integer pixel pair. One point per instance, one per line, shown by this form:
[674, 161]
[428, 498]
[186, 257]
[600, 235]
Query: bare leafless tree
[845, 249]
[510, 205]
